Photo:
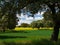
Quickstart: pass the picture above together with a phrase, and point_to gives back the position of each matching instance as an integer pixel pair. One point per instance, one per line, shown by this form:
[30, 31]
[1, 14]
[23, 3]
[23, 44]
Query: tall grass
[28, 37]
[33, 42]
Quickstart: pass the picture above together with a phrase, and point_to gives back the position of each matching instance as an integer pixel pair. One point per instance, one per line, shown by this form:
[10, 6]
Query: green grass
[26, 37]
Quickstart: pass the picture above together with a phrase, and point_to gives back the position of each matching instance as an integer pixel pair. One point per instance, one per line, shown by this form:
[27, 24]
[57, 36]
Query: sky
[26, 19]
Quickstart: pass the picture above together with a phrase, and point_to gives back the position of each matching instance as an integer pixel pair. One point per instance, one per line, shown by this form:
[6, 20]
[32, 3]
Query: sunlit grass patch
[49, 28]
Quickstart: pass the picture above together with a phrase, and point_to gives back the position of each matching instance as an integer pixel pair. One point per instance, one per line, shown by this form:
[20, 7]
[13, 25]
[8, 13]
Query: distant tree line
[38, 24]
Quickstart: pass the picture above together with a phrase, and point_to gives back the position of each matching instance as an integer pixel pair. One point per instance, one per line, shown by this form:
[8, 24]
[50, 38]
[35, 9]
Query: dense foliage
[24, 25]
[37, 24]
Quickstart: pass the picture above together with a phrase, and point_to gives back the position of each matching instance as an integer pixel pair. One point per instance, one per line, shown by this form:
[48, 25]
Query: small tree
[40, 24]
[37, 24]
[33, 24]
[24, 25]
[48, 23]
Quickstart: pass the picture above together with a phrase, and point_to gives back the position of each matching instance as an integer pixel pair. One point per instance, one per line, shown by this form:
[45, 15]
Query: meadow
[27, 37]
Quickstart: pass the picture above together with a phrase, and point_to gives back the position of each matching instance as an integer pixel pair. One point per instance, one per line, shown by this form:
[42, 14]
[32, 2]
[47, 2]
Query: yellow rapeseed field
[29, 28]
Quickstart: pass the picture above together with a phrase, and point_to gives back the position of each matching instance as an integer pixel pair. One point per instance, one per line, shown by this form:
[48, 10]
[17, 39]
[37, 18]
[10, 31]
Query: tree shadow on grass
[10, 37]
[13, 31]
[21, 31]
[35, 42]
[43, 42]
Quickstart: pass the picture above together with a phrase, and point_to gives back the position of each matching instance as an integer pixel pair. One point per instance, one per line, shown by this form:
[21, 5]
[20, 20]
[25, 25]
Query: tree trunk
[38, 28]
[3, 27]
[54, 36]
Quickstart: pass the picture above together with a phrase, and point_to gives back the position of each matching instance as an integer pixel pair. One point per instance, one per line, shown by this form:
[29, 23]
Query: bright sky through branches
[26, 19]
